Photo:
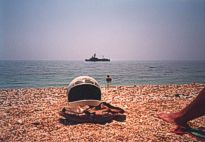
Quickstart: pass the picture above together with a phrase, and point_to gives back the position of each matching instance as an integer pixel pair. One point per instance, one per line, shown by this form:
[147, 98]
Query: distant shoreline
[103, 86]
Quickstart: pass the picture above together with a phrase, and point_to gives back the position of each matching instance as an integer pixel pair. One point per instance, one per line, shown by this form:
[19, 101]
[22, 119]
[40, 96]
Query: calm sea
[17, 74]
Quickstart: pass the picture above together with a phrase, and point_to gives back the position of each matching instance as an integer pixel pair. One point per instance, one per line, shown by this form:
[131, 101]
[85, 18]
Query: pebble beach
[31, 114]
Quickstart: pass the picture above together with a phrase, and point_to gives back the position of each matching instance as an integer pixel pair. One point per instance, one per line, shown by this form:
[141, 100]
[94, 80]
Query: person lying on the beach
[192, 111]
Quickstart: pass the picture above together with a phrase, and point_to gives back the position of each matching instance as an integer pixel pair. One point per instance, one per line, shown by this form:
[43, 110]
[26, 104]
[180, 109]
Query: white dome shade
[83, 88]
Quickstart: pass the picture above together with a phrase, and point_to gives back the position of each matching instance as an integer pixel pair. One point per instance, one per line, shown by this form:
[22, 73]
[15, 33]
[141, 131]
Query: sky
[117, 29]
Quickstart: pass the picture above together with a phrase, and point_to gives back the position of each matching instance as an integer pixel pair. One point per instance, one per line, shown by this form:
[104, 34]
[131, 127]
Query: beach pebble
[177, 95]
[38, 109]
[19, 121]
[4, 114]
[36, 122]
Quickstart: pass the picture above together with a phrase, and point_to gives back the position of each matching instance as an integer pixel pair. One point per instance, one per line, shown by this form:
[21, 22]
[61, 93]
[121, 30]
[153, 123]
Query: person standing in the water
[108, 80]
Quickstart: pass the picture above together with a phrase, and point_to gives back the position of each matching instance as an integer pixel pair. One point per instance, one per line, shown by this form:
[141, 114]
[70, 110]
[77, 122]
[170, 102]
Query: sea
[43, 73]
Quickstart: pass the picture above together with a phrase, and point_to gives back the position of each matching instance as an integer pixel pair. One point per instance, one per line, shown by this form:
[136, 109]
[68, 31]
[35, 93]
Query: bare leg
[194, 110]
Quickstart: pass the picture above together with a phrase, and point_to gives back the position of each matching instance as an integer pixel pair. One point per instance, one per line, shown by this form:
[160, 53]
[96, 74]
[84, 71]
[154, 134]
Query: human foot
[173, 118]
[180, 130]
[168, 117]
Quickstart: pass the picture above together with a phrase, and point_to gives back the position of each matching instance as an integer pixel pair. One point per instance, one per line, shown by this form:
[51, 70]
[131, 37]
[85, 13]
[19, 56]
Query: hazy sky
[118, 29]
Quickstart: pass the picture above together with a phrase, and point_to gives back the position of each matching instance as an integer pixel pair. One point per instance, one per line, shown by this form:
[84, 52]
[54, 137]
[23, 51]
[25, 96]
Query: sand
[31, 114]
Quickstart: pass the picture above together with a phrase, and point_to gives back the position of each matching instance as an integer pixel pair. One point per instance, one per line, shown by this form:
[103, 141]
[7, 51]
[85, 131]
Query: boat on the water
[95, 59]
